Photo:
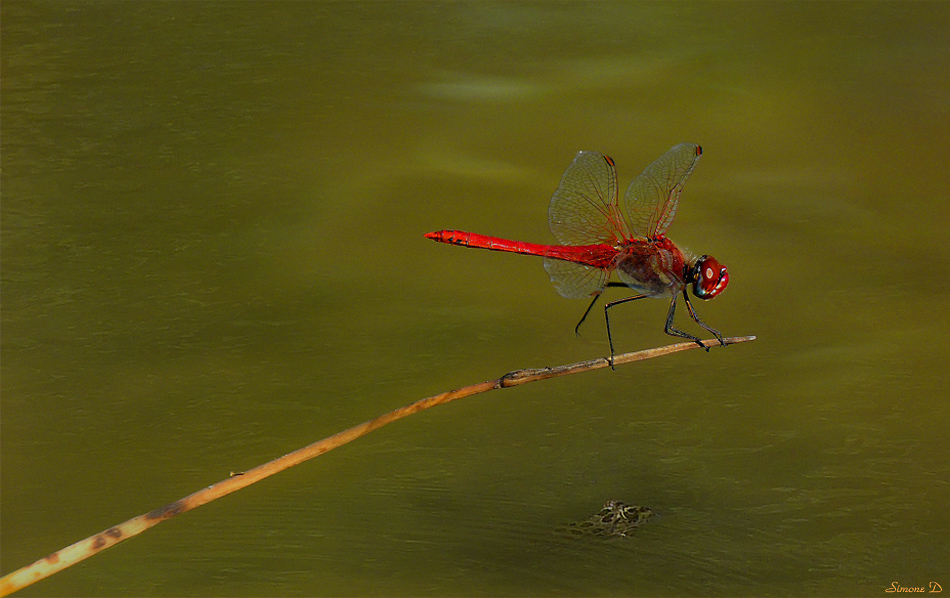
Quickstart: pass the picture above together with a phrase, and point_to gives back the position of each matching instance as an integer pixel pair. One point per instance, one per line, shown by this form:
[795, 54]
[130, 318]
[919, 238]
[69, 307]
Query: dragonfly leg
[587, 311]
[610, 339]
[674, 332]
[591, 306]
[696, 319]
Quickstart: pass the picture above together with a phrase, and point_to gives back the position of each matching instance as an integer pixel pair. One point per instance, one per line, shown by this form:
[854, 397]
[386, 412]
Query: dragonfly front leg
[674, 332]
[696, 319]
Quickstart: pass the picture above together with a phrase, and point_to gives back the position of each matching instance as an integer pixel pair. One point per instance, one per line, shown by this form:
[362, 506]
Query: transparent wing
[652, 283]
[573, 280]
[584, 210]
[652, 197]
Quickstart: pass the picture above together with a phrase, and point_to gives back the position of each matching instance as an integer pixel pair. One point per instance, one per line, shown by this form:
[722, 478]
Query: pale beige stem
[84, 549]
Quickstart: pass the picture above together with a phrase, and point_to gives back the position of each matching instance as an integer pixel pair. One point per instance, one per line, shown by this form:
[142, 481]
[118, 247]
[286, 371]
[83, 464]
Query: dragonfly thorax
[654, 267]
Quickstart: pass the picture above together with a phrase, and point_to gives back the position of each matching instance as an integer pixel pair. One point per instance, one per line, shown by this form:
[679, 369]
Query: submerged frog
[615, 519]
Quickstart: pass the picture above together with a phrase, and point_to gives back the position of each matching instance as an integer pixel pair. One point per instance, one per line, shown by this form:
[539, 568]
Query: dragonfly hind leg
[610, 339]
[593, 302]
[577, 329]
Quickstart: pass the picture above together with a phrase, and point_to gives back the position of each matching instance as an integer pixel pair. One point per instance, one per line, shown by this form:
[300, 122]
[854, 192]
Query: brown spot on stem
[166, 512]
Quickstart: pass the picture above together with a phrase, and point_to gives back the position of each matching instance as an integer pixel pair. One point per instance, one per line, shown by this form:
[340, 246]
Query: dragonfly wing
[584, 210]
[573, 280]
[652, 197]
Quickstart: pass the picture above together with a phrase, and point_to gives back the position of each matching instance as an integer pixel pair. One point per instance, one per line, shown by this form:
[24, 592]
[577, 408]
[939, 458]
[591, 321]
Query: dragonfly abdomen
[600, 256]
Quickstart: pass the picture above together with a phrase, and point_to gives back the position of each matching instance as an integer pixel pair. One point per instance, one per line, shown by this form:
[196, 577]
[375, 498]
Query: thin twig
[84, 549]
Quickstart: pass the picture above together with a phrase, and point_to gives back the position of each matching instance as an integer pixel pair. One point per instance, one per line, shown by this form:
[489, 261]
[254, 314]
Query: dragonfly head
[709, 277]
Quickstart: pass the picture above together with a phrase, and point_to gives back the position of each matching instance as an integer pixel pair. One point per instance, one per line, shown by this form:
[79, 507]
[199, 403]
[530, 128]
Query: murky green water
[212, 254]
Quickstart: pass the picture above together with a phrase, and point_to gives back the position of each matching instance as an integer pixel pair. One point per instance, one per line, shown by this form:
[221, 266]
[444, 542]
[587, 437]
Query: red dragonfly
[600, 236]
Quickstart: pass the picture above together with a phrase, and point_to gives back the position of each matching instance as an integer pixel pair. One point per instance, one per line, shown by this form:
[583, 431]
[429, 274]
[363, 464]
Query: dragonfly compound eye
[711, 277]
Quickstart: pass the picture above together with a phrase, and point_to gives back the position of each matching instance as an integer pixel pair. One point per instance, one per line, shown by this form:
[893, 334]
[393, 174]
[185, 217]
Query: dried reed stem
[84, 549]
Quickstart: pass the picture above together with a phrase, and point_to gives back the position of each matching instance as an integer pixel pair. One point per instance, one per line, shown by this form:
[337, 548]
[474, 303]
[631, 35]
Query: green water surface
[212, 254]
